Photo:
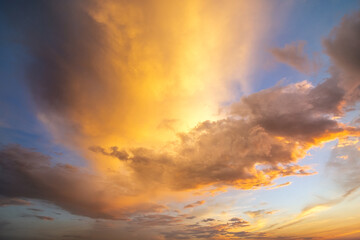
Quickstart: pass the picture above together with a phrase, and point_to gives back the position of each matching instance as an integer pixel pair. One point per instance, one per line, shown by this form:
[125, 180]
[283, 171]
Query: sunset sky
[179, 119]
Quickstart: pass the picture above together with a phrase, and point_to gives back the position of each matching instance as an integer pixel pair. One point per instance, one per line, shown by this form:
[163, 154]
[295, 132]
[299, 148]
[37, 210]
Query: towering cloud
[128, 72]
[114, 79]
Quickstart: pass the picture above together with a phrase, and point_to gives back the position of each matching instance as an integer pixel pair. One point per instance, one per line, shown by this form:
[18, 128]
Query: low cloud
[41, 217]
[156, 220]
[211, 230]
[35, 209]
[259, 213]
[208, 220]
[263, 138]
[343, 170]
[26, 173]
[45, 218]
[195, 204]
[280, 185]
[6, 201]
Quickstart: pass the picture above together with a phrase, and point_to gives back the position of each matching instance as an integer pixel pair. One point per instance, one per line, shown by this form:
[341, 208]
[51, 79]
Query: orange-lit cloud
[129, 73]
[135, 88]
[263, 137]
[195, 204]
[259, 213]
[280, 185]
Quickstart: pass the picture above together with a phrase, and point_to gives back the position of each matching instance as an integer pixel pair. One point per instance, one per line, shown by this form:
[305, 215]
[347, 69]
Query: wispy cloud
[293, 54]
[6, 201]
[41, 217]
[195, 204]
[280, 185]
[259, 213]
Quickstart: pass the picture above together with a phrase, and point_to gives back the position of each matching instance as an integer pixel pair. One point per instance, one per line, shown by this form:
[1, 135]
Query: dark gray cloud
[65, 45]
[297, 112]
[58, 46]
[344, 50]
[208, 220]
[29, 174]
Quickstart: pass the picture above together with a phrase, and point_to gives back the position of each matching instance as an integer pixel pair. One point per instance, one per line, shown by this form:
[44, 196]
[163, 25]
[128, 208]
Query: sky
[182, 119]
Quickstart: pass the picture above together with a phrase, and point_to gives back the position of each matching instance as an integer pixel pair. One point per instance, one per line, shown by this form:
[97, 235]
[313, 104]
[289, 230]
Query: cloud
[107, 95]
[343, 173]
[210, 155]
[114, 71]
[35, 209]
[298, 111]
[208, 220]
[259, 213]
[342, 170]
[262, 139]
[237, 222]
[315, 208]
[264, 136]
[26, 173]
[344, 51]
[5, 201]
[212, 231]
[155, 220]
[45, 218]
[114, 152]
[195, 204]
[235, 219]
[280, 185]
[293, 55]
